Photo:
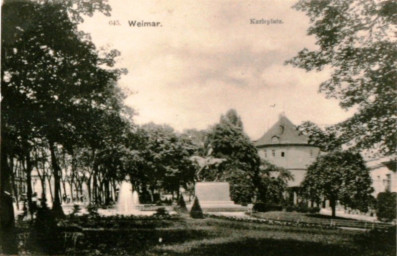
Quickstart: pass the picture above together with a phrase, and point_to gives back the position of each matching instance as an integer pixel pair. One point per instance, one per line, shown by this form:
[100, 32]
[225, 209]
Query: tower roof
[282, 132]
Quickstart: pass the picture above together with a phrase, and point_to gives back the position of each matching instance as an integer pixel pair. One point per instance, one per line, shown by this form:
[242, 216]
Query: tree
[273, 183]
[339, 176]
[386, 206]
[164, 159]
[327, 140]
[53, 72]
[356, 41]
[248, 175]
[233, 118]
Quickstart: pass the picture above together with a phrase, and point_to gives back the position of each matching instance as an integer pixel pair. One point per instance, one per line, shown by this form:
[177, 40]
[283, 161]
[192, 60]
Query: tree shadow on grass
[272, 247]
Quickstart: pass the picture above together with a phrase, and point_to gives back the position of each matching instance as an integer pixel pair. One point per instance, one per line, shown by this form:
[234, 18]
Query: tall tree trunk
[71, 190]
[89, 190]
[56, 207]
[43, 190]
[95, 184]
[72, 177]
[7, 219]
[50, 188]
[332, 203]
[29, 192]
[94, 189]
[115, 196]
[107, 192]
[43, 180]
[13, 184]
[64, 188]
[152, 194]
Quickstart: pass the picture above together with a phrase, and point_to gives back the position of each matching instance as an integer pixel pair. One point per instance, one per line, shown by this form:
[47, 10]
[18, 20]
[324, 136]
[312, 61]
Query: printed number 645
[114, 23]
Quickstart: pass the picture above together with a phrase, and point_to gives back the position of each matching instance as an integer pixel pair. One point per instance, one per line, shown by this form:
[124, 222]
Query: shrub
[76, 210]
[45, 236]
[290, 208]
[196, 212]
[92, 211]
[263, 207]
[314, 209]
[161, 212]
[386, 206]
[302, 208]
[383, 240]
[181, 204]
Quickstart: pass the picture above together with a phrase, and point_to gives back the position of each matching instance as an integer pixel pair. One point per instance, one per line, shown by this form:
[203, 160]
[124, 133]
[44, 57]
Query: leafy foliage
[46, 236]
[250, 177]
[56, 87]
[164, 159]
[386, 206]
[356, 40]
[60, 95]
[328, 139]
[339, 176]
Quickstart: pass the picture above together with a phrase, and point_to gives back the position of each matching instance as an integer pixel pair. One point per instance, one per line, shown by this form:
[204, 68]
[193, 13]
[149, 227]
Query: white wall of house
[383, 178]
[295, 158]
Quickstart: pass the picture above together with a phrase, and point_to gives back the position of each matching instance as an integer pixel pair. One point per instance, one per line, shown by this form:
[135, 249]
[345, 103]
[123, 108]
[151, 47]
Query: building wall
[383, 179]
[295, 158]
[383, 174]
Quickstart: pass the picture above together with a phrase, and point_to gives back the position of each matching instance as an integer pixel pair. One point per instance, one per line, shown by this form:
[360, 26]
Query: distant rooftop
[282, 132]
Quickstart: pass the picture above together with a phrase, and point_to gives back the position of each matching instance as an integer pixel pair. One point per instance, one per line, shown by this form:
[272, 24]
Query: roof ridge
[282, 132]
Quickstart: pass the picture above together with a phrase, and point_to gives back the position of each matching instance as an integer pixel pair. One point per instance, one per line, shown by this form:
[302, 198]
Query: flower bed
[328, 224]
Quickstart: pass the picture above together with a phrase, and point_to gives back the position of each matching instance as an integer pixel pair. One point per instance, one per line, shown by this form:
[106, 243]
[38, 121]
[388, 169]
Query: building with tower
[283, 146]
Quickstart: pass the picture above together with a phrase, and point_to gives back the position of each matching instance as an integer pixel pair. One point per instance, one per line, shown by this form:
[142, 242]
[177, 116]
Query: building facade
[383, 174]
[283, 146]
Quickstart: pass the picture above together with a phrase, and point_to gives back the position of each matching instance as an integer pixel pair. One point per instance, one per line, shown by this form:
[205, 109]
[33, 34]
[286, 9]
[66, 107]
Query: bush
[76, 210]
[386, 206]
[263, 207]
[161, 212]
[181, 204]
[302, 208]
[196, 212]
[383, 240]
[290, 208]
[45, 236]
[314, 209]
[92, 211]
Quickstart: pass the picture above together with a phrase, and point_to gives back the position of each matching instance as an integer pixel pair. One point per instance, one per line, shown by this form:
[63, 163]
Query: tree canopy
[339, 176]
[356, 41]
[327, 139]
[250, 177]
[57, 88]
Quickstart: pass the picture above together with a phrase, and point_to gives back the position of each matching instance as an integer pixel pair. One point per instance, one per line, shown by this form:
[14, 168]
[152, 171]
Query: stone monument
[215, 197]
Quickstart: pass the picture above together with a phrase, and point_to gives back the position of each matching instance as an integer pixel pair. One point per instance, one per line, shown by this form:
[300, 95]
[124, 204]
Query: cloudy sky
[206, 57]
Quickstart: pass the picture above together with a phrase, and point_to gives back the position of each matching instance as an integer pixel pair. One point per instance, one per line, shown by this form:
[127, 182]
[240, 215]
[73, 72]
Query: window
[275, 139]
[273, 152]
[388, 182]
[281, 129]
[282, 154]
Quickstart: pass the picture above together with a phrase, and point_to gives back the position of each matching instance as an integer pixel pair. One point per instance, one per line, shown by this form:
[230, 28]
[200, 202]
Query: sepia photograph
[212, 127]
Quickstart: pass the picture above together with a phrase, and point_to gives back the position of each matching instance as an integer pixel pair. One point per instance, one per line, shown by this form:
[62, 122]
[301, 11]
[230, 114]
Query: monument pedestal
[215, 197]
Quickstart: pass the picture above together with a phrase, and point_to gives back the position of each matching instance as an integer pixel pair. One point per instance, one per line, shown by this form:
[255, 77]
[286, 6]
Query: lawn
[213, 236]
[238, 238]
[318, 219]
